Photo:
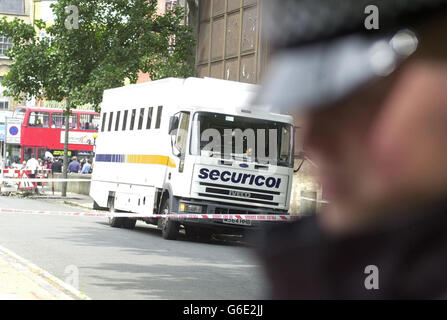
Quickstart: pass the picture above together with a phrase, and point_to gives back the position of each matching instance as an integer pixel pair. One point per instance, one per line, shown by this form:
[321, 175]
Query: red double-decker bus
[43, 130]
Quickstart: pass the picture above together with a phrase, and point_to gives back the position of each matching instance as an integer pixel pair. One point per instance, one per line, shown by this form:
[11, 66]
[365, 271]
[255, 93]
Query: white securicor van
[152, 155]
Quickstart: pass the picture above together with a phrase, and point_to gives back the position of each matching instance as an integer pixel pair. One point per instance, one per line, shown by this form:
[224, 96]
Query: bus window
[157, 124]
[58, 121]
[88, 121]
[74, 121]
[39, 119]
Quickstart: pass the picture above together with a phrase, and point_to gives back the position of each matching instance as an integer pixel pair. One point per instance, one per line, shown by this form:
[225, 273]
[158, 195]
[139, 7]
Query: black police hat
[325, 49]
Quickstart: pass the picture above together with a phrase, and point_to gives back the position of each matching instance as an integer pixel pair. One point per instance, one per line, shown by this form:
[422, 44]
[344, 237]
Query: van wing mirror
[173, 124]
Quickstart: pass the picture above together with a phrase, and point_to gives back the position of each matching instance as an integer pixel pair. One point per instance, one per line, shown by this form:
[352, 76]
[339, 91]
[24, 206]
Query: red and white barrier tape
[173, 216]
[18, 171]
[42, 180]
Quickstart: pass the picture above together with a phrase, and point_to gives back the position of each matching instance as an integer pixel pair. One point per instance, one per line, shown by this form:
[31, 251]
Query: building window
[5, 44]
[170, 5]
[4, 105]
[149, 118]
[12, 6]
[157, 124]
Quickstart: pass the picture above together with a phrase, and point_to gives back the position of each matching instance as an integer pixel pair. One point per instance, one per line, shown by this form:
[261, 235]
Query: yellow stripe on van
[136, 158]
[151, 159]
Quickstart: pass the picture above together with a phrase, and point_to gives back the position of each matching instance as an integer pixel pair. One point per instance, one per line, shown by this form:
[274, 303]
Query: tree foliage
[113, 41]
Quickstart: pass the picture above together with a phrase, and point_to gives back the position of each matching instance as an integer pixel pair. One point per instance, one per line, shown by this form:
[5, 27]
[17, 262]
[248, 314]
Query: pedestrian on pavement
[48, 163]
[57, 165]
[33, 165]
[87, 167]
[74, 166]
[367, 82]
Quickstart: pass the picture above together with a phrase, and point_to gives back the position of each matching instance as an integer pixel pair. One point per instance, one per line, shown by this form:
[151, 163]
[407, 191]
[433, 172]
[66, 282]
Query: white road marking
[47, 279]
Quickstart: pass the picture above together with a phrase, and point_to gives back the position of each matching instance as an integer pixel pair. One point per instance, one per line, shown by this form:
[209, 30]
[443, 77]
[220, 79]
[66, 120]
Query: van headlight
[193, 208]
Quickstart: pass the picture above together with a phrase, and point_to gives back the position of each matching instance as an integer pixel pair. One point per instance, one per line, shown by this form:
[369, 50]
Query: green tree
[92, 46]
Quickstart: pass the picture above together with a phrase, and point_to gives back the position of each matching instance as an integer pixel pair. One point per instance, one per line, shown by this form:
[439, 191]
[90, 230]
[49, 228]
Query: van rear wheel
[169, 227]
[114, 222]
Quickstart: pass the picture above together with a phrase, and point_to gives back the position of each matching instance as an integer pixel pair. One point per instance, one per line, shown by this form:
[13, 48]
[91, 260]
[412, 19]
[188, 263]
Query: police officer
[368, 82]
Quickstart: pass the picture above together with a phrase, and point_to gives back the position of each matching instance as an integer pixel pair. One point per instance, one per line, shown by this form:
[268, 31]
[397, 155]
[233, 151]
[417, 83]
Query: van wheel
[169, 228]
[129, 223]
[114, 222]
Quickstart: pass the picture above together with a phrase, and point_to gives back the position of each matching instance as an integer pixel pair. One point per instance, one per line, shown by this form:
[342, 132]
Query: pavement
[23, 280]
[72, 199]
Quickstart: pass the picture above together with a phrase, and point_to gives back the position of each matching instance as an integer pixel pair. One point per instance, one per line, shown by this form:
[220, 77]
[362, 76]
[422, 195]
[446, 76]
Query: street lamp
[95, 135]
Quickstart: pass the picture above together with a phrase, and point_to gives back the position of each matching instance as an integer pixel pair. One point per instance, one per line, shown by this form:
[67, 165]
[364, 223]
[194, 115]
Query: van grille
[241, 194]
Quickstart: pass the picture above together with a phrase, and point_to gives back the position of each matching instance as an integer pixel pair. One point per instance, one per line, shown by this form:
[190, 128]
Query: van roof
[227, 96]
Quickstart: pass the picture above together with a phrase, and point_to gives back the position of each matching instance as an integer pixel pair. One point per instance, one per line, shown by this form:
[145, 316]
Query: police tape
[18, 171]
[42, 180]
[236, 217]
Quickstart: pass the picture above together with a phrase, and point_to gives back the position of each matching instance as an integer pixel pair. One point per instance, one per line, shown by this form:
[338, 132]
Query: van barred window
[141, 119]
[125, 120]
[157, 124]
[149, 117]
[103, 122]
[132, 119]
[118, 116]
[110, 121]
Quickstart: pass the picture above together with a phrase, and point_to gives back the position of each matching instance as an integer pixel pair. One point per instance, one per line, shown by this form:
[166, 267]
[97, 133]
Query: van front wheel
[169, 227]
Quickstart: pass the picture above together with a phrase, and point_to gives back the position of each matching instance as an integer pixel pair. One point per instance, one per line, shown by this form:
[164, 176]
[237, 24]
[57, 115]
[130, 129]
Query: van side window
[141, 119]
[125, 120]
[103, 122]
[132, 119]
[118, 115]
[110, 121]
[149, 117]
[182, 132]
[157, 123]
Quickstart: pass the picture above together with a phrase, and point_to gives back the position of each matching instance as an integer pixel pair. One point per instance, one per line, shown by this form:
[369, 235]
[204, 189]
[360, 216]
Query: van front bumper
[211, 208]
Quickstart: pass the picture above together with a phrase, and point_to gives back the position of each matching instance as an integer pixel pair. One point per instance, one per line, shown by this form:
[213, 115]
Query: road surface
[128, 264]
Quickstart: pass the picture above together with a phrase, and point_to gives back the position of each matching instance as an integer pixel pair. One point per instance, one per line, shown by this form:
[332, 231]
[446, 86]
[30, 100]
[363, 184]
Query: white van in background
[150, 157]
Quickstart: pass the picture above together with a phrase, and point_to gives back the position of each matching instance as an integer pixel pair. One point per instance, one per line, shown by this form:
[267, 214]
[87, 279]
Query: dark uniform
[322, 53]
